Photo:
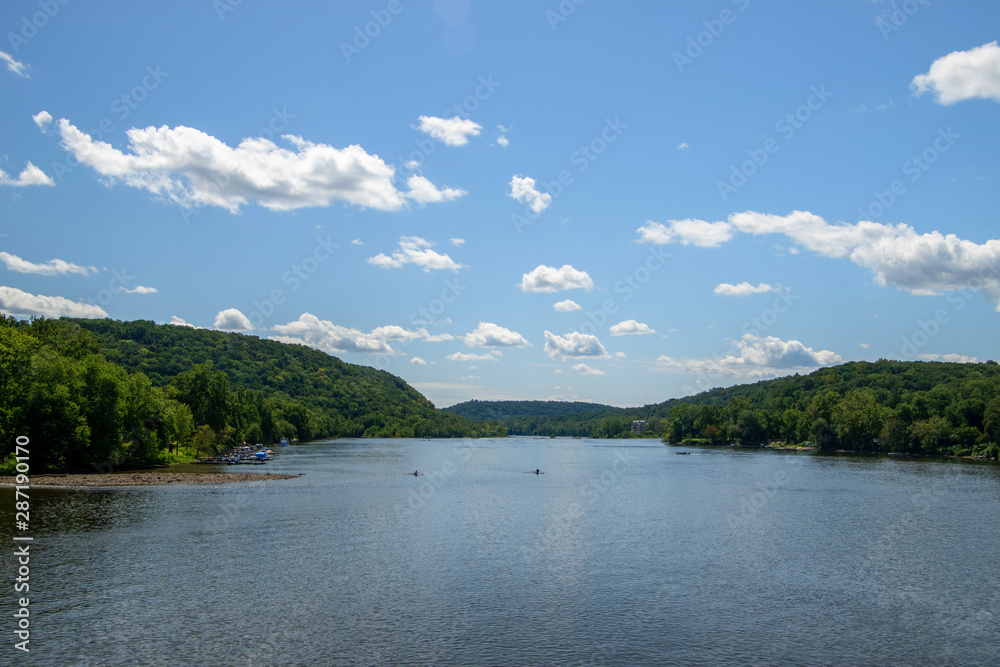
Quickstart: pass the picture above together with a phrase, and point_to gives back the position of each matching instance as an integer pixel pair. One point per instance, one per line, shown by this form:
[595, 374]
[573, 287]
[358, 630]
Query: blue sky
[611, 202]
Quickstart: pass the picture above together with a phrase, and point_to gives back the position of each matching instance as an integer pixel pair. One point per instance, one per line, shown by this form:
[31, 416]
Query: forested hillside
[886, 406]
[503, 410]
[90, 392]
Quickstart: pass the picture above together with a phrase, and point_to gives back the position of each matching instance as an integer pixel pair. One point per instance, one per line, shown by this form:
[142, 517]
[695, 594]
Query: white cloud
[864, 345]
[412, 165]
[896, 254]
[631, 328]
[42, 119]
[743, 289]
[425, 192]
[488, 334]
[13, 65]
[502, 135]
[687, 232]
[754, 357]
[584, 369]
[573, 345]
[454, 131]
[437, 338]
[53, 267]
[332, 338]
[953, 358]
[522, 188]
[357, 242]
[31, 175]
[566, 306]
[962, 75]
[180, 322]
[191, 168]
[232, 319]
[418, 361]
[458, 243]
[492, 355]
[22, 304]
[682, 146]
[139, 289]
[415, 250]
[550, 279]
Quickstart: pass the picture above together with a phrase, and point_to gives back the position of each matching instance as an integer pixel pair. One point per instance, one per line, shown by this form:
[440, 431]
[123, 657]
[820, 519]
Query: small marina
[242, 454]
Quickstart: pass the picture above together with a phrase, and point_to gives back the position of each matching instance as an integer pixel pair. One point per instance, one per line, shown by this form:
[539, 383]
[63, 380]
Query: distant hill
[503, 410]
[916, 407]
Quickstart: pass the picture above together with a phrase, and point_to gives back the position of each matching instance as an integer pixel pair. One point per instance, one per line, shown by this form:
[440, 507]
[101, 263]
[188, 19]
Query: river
[620, 553]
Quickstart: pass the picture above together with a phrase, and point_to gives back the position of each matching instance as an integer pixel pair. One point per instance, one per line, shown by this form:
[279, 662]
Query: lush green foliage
[107, 393]
[927, 408]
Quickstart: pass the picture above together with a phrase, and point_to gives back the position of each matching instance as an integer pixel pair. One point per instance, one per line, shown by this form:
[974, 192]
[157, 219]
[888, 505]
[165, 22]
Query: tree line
[924, 408]
[105, 393]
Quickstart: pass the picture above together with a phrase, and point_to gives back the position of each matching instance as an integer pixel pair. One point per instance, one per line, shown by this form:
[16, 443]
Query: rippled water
[622, 553]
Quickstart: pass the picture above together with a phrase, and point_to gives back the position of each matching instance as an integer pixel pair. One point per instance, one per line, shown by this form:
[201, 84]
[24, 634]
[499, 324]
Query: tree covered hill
[91, 392]
[889, 406]
[503, 410]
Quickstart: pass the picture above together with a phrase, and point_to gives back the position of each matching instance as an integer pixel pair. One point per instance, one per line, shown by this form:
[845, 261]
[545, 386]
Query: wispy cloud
[53, 267]
[14, 66]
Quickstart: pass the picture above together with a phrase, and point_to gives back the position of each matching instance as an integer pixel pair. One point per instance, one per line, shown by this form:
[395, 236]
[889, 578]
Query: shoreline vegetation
[108, 396]
[150, 477]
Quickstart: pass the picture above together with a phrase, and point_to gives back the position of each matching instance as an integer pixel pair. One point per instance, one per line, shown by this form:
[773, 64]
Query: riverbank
[146, 478]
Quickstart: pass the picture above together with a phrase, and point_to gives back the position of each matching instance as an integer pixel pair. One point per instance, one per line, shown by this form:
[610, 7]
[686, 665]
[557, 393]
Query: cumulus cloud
[191, 168]
[550, 279]
[631, 328]
[454, 131]
[566, 306]
[425, 192]
[415, 250]
[23, 304]
[492, 355]
[417, 361]
[458, 243]
[896, 255]
[962, 75]
[573, 345]
[754, 357]
[53, 267]
[30, 175]
[522, 188]
[743, 289]
[181, 322]
[584, 369]
[140, 289]
[488, 334]
[686, 232]
[232, 319]
[42, 119]
[14, 66]
[331, 338]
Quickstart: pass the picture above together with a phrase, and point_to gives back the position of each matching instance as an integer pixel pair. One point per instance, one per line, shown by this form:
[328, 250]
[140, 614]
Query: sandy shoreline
[146, 478]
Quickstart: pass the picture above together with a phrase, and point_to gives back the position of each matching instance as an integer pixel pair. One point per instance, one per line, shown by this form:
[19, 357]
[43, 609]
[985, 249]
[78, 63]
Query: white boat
[283, 442]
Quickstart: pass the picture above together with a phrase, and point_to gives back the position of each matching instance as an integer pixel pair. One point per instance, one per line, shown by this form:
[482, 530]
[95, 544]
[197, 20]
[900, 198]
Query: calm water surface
[621, 553]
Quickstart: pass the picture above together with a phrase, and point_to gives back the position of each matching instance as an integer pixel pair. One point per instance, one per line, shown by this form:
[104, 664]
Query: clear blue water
[622, 553]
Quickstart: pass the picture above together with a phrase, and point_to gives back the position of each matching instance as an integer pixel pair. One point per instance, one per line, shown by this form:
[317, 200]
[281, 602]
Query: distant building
[639, 425]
